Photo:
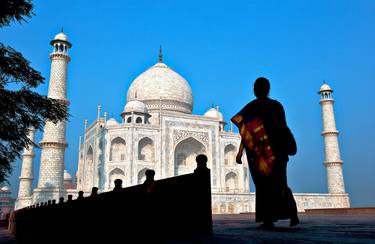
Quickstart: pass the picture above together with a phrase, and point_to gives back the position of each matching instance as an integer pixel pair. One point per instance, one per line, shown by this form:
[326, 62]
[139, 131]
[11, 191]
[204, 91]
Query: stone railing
[177, 208]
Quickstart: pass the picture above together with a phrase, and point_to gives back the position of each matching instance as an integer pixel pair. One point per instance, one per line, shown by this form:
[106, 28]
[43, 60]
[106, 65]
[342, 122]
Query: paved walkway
[5, 237]
[315, 227]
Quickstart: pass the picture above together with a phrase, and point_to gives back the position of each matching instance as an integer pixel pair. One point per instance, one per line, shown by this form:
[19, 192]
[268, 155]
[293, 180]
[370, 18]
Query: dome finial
[160, 55]
[62, 29]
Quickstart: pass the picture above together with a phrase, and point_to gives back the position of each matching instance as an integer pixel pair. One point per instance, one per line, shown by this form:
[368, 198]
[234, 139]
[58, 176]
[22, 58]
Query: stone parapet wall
[227, 203]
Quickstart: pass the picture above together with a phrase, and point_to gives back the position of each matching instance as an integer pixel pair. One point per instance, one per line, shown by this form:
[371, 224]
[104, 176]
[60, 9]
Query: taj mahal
[157, 130]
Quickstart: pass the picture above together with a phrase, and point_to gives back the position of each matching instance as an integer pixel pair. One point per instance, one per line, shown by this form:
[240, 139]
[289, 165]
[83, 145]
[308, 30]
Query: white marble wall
[223, 203]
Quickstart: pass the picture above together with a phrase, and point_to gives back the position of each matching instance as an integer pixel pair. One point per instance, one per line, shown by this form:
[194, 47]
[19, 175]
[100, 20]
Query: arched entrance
[185, 154]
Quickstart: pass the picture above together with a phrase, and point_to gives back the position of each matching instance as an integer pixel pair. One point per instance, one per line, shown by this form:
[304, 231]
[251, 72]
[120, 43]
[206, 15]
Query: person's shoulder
[250, 104]
[275, 103]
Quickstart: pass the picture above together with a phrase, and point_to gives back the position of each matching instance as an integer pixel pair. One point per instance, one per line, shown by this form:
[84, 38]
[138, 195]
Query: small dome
[135, 106]
[325, 87]
[112, 121]
[5, 188]
[214, 114]
[61, 36]
[67, 176]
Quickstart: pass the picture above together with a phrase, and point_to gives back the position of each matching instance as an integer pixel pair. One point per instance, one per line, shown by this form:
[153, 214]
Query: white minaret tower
[26, 178]
[332, 162]
[53, 144]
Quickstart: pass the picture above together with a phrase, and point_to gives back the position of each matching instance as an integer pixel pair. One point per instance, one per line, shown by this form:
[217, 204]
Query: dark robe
[274, 199]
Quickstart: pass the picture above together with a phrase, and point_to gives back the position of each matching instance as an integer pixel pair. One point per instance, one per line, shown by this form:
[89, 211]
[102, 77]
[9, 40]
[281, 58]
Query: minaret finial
[99, 108]
[160, 55]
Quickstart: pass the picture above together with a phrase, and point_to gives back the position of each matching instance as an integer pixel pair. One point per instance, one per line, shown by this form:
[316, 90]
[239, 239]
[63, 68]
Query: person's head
[261, 87]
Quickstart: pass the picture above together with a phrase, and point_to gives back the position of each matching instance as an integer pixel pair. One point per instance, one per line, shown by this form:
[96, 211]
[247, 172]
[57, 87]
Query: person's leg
[292, 208]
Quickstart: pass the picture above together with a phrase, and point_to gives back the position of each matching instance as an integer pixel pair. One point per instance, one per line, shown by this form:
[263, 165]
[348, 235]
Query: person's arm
[290, 142]
[239, 154]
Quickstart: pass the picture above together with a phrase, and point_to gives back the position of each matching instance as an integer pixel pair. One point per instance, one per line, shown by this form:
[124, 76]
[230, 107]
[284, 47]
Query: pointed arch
[229, 154]
[231, 208]
[146, 150]
[185, 153]
[89, 168]
[117, 152]
[114, 175]
[231, 181]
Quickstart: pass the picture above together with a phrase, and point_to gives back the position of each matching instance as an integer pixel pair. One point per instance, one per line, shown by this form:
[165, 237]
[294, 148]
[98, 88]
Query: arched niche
[185, 154]
[231, 181]
[146, 150]
[138, 120]
[117, 152]
[230, 154]
[89, 168]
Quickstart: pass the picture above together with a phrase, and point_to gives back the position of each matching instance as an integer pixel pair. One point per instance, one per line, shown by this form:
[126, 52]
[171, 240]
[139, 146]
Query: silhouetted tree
[20, 107]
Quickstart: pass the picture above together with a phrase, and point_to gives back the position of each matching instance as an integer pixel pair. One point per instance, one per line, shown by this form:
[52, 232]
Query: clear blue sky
[220, 47]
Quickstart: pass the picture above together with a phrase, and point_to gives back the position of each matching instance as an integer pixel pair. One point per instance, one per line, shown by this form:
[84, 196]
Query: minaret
[332, 162]
[26, 178]
[53, 144]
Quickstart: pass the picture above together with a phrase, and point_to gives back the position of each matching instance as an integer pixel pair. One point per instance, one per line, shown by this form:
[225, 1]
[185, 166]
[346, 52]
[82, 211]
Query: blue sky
[221, 47]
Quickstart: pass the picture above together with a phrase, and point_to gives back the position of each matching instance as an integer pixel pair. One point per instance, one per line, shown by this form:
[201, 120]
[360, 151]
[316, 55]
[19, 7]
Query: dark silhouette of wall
[177, 208]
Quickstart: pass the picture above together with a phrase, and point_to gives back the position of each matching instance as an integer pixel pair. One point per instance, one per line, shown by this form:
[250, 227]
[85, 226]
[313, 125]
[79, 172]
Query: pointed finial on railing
[160, 55]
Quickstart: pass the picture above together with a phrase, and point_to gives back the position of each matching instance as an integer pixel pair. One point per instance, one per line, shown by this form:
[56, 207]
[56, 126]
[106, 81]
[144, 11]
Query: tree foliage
[20, 106]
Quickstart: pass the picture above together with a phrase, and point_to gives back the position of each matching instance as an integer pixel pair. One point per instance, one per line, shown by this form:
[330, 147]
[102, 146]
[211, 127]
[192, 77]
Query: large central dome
[160, 85]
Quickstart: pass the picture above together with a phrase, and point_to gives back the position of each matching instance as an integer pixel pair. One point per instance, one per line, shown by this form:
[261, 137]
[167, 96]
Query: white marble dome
[136, 107]
[325, 87]
[61, 36]
[160, 85]
[5, 188]
[214, 113]
[112, 121]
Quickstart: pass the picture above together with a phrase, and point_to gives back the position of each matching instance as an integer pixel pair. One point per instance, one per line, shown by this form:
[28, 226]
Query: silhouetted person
[268, 142]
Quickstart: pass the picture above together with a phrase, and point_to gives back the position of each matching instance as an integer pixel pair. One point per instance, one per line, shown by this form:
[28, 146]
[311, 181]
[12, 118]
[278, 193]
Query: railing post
[94, 192]
[203, 189]
[80, 195]
[118, 185]
[70, 198]
[149, 182]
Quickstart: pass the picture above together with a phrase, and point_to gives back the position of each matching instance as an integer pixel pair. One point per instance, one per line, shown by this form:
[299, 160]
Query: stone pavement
[315, 227]
[342, 226]
[5, 237]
